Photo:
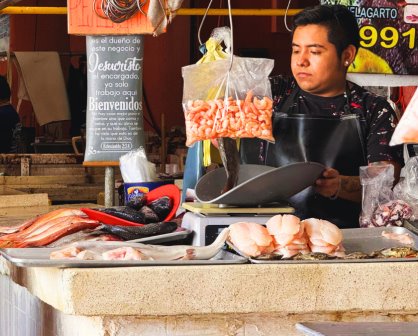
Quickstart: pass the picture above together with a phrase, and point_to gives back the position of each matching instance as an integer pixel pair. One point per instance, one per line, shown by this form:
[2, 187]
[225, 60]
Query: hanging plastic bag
[240, 101]
[379, 205]
[407, 189]
[406, 131]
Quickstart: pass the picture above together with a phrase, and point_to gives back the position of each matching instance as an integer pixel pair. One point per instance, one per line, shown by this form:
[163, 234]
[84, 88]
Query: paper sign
[114, 96]
[388, 35]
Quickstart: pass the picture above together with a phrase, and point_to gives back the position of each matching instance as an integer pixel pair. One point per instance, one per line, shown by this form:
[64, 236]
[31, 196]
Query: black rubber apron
[335, 141]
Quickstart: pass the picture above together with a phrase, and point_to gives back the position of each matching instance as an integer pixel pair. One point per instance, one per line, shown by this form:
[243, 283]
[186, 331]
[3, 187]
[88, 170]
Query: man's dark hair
[342, 26]
[4, 89]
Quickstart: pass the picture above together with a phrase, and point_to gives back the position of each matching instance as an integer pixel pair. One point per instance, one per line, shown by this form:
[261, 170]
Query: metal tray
[163, 238]
[364, 240]
[255, 184]
[39, 257]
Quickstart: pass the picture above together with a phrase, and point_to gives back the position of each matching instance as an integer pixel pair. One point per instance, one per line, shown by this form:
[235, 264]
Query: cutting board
[216, 210]
[258, 184]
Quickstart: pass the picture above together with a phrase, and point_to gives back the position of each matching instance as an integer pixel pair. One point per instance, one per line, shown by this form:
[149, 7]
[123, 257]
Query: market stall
[236, 261]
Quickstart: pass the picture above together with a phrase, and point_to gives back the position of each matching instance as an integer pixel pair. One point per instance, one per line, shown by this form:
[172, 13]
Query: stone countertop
[218, 289]
[221, 289]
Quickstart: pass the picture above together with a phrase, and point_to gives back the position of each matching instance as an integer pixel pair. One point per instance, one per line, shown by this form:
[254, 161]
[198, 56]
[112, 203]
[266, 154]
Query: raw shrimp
[229, 118]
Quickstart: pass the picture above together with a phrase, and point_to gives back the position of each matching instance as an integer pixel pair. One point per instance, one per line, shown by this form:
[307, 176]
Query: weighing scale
[261, 193]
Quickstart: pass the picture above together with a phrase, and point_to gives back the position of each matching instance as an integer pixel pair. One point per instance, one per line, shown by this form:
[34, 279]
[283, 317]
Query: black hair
[4, 89]
[341, 23]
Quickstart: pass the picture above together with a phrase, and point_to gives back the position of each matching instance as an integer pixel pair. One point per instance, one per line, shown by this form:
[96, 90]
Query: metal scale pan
[258, 184]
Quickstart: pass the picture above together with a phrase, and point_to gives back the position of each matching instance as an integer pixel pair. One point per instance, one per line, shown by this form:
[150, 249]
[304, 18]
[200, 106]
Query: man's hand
[329, 184]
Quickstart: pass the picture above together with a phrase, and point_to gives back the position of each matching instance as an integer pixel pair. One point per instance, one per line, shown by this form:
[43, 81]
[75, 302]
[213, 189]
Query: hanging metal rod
[182, 11]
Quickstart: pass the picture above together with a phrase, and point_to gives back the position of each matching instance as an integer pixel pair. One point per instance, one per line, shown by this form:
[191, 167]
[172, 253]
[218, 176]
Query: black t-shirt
[8, 121]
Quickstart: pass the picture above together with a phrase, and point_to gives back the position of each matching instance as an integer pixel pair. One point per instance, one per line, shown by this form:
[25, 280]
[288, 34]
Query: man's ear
[348, 55]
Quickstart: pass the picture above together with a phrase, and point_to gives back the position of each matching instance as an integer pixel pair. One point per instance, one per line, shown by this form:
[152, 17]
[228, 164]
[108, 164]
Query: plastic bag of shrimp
[380, 206]
[224, 99]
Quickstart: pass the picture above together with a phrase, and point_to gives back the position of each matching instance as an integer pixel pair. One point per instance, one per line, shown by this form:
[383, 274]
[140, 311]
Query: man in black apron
[321, 117]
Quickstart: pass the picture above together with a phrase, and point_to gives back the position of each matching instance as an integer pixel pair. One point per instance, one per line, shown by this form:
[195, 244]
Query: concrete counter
[220, 300]
[239, 300]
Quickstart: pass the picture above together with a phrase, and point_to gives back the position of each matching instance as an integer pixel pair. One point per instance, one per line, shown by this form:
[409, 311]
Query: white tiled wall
[20, 312]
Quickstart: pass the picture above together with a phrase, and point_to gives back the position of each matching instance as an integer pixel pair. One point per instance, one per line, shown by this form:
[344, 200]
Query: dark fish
[125, 212]
[136, 201]
[230, 159]
[162, 207]
[136, 232]
[149, 215]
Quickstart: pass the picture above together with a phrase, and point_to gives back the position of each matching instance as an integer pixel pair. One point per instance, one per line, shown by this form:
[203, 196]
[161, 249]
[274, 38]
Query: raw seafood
[161, 206]
[312, 256]
[55, 229]
[136, 232]
[125, 212]
[251, 239]
[357, 255]
[150, 252]
[230, 159]
[323, 236]
[392, 213]
[33, 223]
[123, 253]
[289, 235]
[149, 215]
[229, 118]
[396, 252]
[403, 238]
[137, 200]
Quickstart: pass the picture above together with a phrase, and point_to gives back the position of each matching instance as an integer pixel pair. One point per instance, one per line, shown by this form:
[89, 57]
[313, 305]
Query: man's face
[315, 63]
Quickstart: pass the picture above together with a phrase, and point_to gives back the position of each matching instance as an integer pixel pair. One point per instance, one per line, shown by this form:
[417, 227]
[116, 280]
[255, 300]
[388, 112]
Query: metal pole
[181, 11]
[109, 196]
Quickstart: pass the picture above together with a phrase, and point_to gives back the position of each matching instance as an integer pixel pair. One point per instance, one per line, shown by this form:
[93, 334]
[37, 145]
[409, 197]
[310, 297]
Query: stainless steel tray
[163, 238]
[364, 240]
[39, 257]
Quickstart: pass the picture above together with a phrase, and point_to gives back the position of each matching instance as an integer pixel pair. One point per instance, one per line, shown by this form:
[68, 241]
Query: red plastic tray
[169, 190]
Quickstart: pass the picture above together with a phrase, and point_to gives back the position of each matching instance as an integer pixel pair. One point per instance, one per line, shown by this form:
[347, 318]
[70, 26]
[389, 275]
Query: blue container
[137, 188]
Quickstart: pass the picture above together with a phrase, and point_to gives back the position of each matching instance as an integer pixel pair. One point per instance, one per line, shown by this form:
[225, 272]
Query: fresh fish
[149, 215]
[12, 229]
[136, 232]
[161, 206]
[230, 159]
[137, 201]
[32, 225]
[125, 212]
[52, 231]
[148, 252]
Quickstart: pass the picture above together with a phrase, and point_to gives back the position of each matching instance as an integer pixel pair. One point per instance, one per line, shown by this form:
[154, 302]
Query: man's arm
[332, 184]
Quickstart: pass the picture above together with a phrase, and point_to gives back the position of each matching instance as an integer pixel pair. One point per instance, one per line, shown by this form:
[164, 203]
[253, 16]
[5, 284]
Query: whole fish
[162, 207]
[39, 220]
[143, 216]
[230, 159]
[56, 229]
[136, 232]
